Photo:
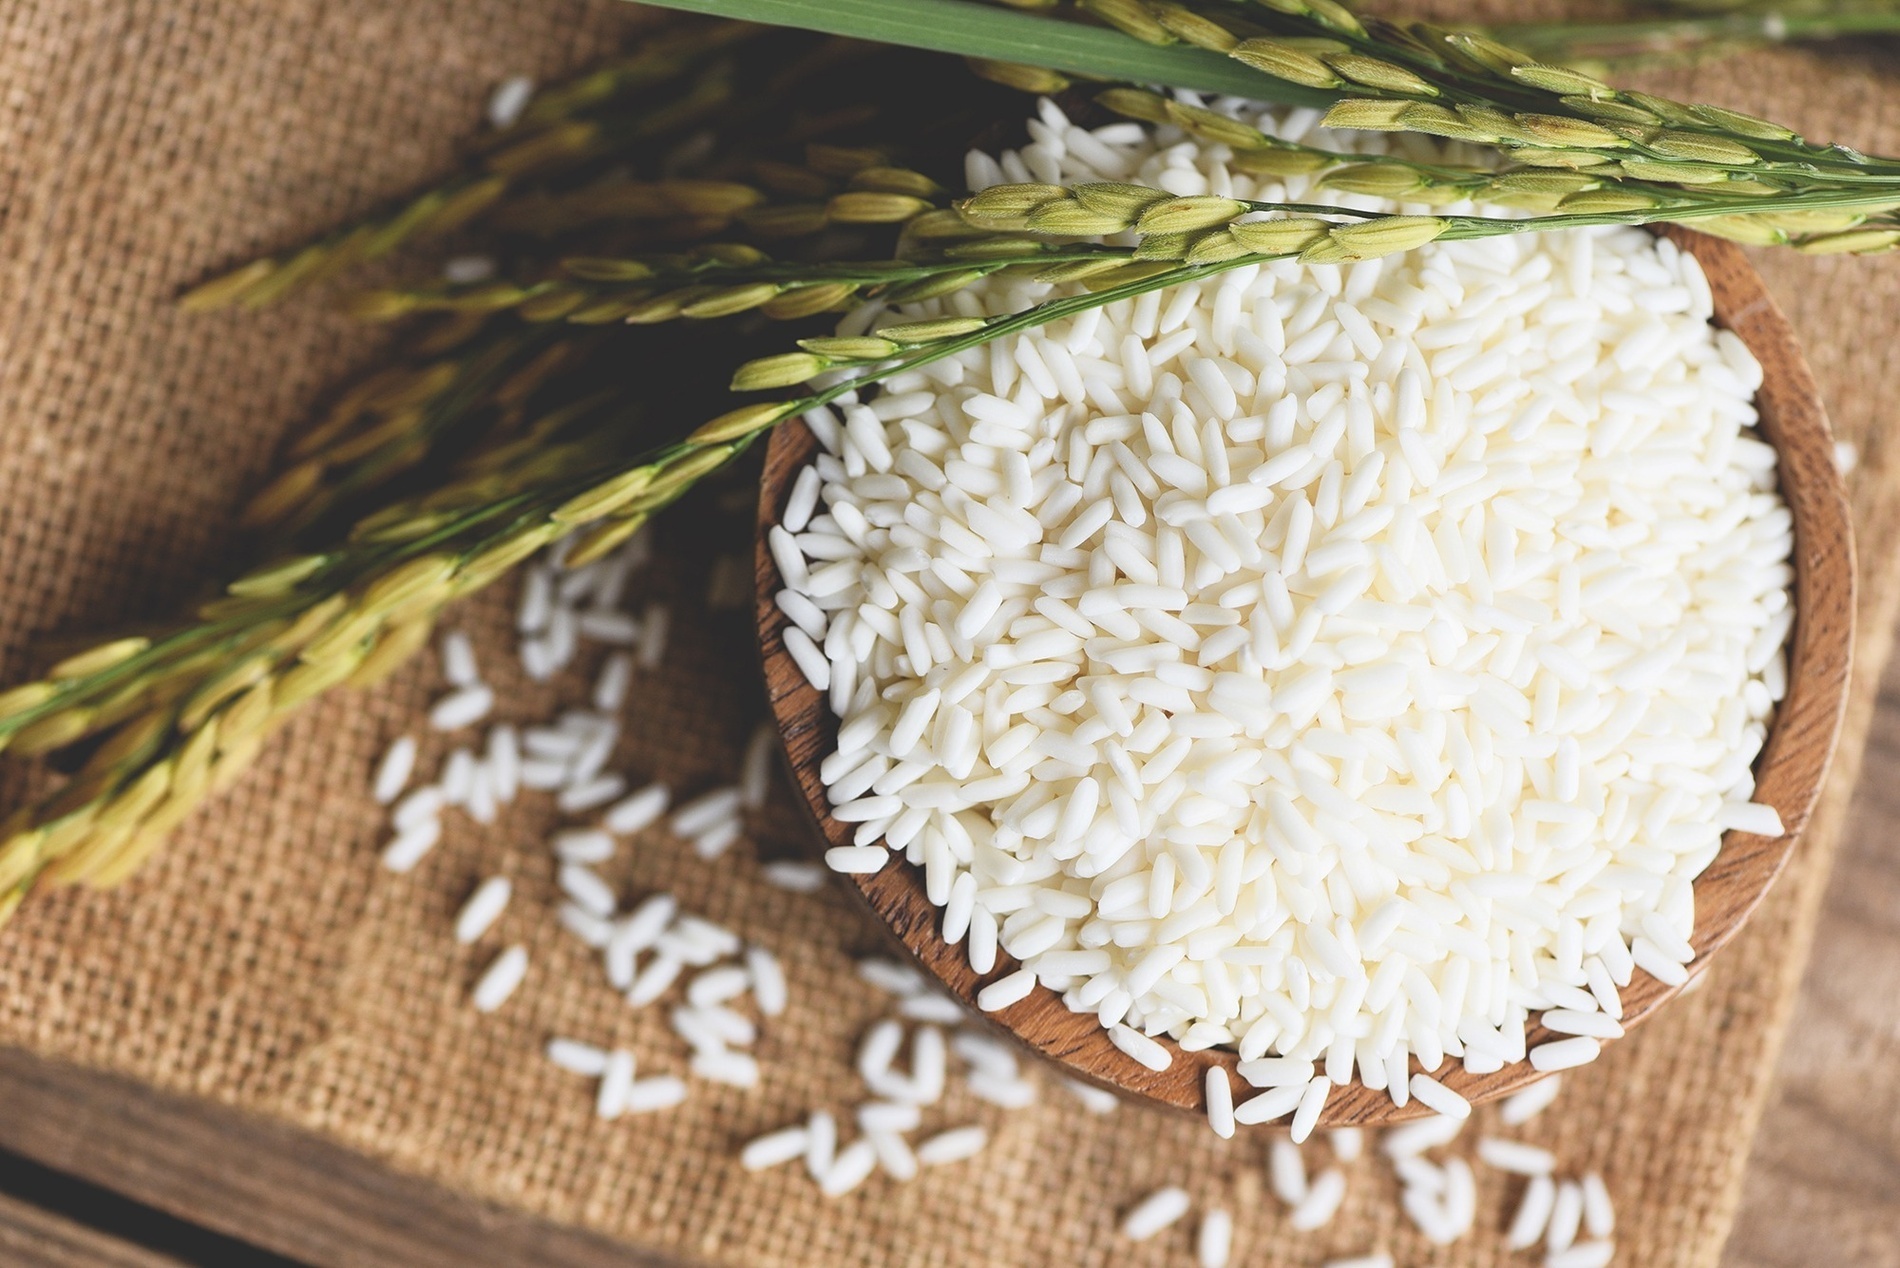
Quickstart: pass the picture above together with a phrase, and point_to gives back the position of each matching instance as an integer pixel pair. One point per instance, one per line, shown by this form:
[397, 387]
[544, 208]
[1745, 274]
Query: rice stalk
[179, 714]
[582, 120]
[169, 717]
[1387, 75]
[1173, 228]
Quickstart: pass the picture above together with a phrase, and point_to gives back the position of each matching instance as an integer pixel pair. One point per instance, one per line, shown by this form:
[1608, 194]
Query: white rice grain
[894, 1155]
[392, 773]
[1321, 1202]
[654, 980]
[499, 980]
[418, 807]
[1565, 1054]
[592, 930]
[767, 981]
[596, 792]
[410, 845]
[587, 890]
[852, 1167]
[510, 100]
[460, 270]
[645, 1096]
[1520, 1107]
[458, 660]
[462, 707]
[802, 501]
[1013, 989]
[458, 777]
[717, 839]
[1094, 1099]
[1599, 1213]
[1154, 1213]
[858, 859]
[1533, 1213]
[717, 985]
[636, 811]
[706, 811]
[1214, 1240]
[774, 1148]
[1439, 1098]
[755, 772]
[577, 1058]
[537, 600]
[653, 635]
[482, 909]
[1273, 1103]
[1566, 1217]
[616, 1081]
[1220, 1102]
[719, 1065]
[953, 1145]
[793, 876]
[616, 629]
[613, 682]
[1286, 1171]
[502, 759]
[1515, 1156]
[821, 1143]
[887, 1116]
[583, 845]
[1312, 1103]
[1415, 1138]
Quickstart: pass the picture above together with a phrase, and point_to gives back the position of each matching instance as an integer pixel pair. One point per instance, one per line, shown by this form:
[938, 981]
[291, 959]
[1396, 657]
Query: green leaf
[1010, 35]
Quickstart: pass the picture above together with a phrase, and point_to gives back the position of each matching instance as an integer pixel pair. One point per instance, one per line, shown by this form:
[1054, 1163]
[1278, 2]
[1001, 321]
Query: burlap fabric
[264, 960]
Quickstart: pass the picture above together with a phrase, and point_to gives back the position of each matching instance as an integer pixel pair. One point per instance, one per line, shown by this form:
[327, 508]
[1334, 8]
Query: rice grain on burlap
[266, 961]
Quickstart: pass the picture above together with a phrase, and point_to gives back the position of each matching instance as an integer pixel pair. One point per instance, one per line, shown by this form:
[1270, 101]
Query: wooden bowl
[1789, 771]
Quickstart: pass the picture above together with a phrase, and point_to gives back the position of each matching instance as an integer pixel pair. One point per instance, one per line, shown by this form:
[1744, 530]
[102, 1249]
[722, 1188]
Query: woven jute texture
[266, 961]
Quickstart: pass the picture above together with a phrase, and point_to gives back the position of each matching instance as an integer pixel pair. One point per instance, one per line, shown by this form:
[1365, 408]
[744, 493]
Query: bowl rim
[1790, 769]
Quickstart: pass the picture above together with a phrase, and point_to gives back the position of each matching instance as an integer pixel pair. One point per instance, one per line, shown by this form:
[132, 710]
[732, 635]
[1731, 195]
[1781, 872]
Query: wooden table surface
[1823, 1183]
[100, 1172]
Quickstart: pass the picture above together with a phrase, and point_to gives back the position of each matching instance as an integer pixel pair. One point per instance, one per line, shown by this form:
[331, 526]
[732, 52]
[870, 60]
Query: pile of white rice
[1344, 664]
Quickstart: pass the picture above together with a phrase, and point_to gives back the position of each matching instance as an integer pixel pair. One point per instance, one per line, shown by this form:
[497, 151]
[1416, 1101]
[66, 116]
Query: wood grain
[278, 1188]
[1789, 773]
[31, 1237]
[1823, 1183]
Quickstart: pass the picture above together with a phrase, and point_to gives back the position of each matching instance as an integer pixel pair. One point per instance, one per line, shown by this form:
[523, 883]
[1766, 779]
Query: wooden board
[1823, 1182]
[262, 1187]
[34, 1237]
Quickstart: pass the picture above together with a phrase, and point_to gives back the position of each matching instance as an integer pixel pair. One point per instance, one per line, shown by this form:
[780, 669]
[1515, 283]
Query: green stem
[957, 26]
[1460, 229]
[1006, 35]
[1470, 227]
[1794, 157]
[1026, 319]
